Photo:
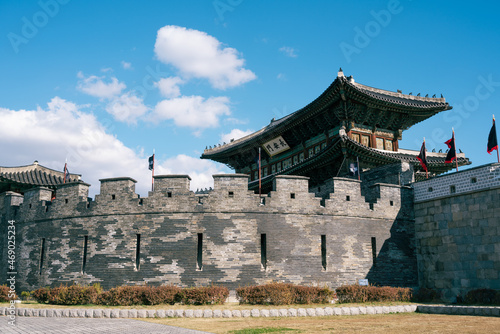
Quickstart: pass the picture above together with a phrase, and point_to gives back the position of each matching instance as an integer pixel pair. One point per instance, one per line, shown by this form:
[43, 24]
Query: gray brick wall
[231, 219]
[458, 235]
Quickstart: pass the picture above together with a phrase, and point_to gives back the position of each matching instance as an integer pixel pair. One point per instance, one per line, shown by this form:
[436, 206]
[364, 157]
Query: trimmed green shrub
[203, 295]
[426, 295]
[70, 295]
[362, 294]
[41, 295]
[283, 294]
[167, 294]
[4, 293]
[482, 297]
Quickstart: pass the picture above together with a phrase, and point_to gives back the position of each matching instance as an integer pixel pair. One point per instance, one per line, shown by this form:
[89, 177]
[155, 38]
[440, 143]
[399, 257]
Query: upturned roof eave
[431, 107]
[436, 162]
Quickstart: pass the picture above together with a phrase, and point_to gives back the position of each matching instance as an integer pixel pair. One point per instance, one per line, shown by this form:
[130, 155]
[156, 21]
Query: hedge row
[482, 297]
[283, 294]
[4, 293]
[363, 294]
[131, 295]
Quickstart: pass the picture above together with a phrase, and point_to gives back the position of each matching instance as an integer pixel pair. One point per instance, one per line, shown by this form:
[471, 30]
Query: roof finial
[340, 73]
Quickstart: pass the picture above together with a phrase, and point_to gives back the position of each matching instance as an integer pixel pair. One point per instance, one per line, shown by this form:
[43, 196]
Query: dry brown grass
[373, 324]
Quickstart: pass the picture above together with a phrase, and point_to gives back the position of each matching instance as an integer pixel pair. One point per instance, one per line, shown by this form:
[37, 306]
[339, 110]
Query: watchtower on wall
[349, 123]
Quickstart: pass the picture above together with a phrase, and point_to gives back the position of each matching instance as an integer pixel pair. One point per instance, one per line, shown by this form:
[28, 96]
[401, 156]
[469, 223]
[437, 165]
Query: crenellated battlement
[290, 194]
[229, 235]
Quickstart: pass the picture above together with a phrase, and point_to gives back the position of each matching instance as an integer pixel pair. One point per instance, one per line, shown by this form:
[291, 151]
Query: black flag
[452, 153]
[422, 157]
[492, 138]
[151, 162]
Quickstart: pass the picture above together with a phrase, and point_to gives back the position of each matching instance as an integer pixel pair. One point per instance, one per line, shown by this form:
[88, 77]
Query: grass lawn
[373, 324]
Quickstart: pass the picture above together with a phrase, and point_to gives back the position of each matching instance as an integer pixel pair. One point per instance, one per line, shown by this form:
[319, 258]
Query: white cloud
[281, 76]
[289, 51]
[192, 111]
[169, 87]
[95, 86]
[127, 108]
[234, 134]
[62, 131]
[196, 54]
[126, 65]
[199, 170]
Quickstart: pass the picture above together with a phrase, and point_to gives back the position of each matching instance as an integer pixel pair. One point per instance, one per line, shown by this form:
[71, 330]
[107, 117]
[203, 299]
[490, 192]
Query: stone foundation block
[301, 312]
[345, 311]
[114, 313]
[255, 313]
[246, 313]
[207, 314]
[292, 312]
[311, 312]
[236, 314]
[370, 310]
[283, 312]
[189, 313]
[274, 313]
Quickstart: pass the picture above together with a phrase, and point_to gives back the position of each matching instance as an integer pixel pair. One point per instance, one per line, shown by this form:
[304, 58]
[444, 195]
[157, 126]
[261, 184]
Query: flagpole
[426, 168]
[456, 154]
[153, 173]
[359, 176]
[65, 169]
[498, 156]
[260, 192]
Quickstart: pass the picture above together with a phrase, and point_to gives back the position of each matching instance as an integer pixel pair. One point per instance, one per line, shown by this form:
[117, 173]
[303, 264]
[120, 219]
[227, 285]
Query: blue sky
[103, 83]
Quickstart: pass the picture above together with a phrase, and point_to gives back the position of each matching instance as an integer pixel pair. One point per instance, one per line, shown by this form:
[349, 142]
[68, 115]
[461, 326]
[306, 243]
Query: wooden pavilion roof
[34, 175]
[328, 162]
[343, 102]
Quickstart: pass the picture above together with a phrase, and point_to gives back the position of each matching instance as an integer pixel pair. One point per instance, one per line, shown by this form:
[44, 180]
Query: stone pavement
[43, 325]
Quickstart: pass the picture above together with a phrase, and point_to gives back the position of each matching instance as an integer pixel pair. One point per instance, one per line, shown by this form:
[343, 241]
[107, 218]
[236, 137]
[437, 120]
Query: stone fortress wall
[457, 224]
[228, 237]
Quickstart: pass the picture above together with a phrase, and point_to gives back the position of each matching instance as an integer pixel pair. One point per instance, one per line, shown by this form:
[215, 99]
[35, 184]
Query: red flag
[452, 153]
[422, 157]
[66, 173]
[492, 138]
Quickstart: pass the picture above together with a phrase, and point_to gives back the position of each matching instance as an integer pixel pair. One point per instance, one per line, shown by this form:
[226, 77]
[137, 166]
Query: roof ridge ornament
[340, 73]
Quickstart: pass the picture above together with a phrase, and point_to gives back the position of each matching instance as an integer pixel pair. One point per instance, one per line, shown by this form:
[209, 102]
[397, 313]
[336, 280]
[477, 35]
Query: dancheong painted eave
[344, 101]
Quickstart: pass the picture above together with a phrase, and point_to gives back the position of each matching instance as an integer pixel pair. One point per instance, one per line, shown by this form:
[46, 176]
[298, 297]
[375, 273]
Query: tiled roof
[34, 175]
[417, 109]
[435, 161]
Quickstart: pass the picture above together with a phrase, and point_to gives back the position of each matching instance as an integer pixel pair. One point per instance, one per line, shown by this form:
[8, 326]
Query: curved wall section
[227, 237]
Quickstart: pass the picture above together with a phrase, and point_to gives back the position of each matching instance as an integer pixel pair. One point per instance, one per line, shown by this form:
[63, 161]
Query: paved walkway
[87, 325]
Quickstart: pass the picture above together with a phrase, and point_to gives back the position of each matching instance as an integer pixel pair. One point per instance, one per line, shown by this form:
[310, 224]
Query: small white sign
[276, 146]
[363, 282]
